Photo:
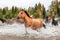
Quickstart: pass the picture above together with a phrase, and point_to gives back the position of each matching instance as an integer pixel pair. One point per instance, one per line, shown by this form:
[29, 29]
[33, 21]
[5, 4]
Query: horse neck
[27, 19]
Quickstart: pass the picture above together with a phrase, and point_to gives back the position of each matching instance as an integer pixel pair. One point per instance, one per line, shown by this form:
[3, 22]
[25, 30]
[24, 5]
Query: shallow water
[19, 30]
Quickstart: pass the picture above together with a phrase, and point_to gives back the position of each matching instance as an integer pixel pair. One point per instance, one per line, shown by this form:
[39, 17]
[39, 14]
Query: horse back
[38, 22]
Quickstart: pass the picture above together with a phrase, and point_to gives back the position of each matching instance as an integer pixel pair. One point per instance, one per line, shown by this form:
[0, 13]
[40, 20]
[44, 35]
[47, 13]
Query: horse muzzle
[18, 17]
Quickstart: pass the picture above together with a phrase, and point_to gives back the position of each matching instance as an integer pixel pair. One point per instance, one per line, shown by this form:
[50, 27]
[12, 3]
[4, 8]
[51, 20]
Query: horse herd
[32, 22]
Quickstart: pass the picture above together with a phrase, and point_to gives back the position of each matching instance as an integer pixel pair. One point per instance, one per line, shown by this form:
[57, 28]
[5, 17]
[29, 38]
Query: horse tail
[44, 26]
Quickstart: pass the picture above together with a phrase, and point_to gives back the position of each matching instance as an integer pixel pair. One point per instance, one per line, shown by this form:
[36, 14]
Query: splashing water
[19, 29]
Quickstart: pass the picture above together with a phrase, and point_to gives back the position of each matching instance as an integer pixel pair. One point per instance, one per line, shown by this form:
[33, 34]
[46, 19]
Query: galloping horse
[30, 22]
[6, 21]
[52, 20]
[2, 20]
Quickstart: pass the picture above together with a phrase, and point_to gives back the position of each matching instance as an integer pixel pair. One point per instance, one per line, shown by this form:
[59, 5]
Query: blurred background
[39, 9]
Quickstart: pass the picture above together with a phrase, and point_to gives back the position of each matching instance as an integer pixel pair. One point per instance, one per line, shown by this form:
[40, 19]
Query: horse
[11, 21]
[30, 22]
[48, 19]
[2, 20]
[52, 20]
[6, 21]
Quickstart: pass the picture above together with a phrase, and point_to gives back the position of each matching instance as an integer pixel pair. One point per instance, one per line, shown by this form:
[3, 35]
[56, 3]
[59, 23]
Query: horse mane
[26, 13]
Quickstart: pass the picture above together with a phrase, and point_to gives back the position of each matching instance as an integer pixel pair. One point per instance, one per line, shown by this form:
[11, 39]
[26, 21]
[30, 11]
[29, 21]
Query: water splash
[19, 29]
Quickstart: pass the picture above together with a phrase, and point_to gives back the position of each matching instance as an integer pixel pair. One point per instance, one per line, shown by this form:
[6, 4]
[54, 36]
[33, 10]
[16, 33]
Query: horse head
[22, 14]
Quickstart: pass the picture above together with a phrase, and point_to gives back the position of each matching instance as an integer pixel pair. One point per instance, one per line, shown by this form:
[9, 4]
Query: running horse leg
[44, 26]
[26, 29]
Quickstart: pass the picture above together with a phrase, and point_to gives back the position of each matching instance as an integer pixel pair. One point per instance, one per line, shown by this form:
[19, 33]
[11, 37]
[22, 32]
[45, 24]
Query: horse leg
[26, 30]
[57, 23]
[44, 26]
[35, 28]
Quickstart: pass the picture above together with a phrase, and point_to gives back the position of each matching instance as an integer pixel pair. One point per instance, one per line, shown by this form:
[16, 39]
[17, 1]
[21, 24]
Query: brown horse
[6, 21]
[48, 19]
[2, 20]
[11, 21]
[30, 22]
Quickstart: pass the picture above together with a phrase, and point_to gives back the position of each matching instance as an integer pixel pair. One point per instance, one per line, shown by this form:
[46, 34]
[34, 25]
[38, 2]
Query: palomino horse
[30, 22]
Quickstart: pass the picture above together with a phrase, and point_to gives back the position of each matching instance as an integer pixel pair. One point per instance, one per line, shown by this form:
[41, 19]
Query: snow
[19, 29]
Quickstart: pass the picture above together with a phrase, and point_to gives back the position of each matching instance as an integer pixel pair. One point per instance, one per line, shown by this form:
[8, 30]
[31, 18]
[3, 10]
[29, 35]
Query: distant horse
[5, 21]
[54, 22]
[51, 20]
[30, 22]
[2, 20]
[48, 19]
[11, 21]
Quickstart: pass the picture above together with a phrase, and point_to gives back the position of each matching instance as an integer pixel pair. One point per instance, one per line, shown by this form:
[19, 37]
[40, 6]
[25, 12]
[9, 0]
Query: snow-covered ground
[19, 30]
